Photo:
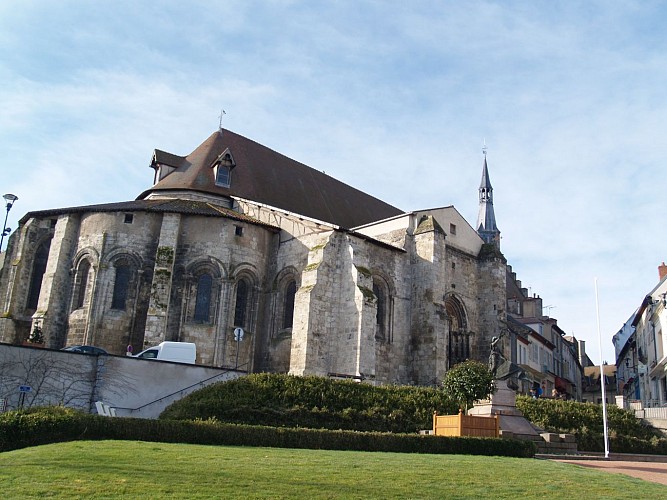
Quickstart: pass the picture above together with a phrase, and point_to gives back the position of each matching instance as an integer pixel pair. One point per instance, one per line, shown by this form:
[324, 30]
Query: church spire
[486, 220]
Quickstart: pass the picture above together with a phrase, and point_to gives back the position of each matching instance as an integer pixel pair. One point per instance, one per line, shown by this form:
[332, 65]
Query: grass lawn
[114, 469]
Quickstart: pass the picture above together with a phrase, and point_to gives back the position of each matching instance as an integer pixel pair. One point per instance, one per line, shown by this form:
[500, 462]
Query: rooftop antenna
[222, 113]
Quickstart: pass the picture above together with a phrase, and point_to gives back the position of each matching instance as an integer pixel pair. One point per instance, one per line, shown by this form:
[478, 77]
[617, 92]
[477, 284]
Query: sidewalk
[647, 467]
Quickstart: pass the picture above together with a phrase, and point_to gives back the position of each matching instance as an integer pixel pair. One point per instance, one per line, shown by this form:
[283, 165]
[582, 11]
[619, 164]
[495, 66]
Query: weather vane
[222, 113]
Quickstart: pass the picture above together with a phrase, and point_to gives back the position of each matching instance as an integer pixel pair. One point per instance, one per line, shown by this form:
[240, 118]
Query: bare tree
[56, 378]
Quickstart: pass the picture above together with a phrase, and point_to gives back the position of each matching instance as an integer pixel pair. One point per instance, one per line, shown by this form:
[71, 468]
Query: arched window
[121, 286]
[38, 270]
[82, 283]
[380, 316]
[241, 307]
[288, 311]
[382, 293]
[459, 336]
[203, 299]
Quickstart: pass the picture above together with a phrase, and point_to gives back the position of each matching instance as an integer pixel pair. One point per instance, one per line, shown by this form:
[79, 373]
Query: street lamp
[9, 201]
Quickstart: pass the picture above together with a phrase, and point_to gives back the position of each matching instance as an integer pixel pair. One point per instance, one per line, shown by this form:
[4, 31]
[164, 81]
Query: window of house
[238, 230]
[120, 287]
[288, 312]
[82, 278]
[38, 270]
[223, 176]
[241, 303]
[452, 229]
[129, 218]
[533, 353]
[222, 167]
[203, 299]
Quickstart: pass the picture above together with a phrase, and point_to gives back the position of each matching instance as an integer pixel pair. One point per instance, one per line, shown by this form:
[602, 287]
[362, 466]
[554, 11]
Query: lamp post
[9, 201]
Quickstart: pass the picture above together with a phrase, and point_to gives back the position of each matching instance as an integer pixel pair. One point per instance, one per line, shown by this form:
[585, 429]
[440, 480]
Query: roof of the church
[265, 176]
[188, 207]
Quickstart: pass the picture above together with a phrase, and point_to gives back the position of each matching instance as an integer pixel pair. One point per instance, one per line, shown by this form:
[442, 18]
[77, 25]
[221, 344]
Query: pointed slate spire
[486, 220]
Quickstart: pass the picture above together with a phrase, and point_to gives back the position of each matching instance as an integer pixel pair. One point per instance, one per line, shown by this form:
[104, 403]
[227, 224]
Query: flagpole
[602, 381]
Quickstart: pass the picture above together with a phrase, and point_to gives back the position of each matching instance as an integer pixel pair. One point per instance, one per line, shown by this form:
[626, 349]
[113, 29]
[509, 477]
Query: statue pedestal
[503, 403]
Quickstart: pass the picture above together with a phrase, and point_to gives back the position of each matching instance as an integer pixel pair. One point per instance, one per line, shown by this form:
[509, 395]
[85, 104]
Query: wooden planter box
[32, 344]
[465, 425]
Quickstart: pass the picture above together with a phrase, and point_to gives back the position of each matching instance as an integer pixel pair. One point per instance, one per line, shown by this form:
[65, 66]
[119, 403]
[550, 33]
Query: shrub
[627, 434]
[314, 402]
[21, 429]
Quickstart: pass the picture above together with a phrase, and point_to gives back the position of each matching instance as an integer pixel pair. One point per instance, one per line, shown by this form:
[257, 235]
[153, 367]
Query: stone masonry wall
[156, 321]
[429, 328]
[54, 297]
[16, 320]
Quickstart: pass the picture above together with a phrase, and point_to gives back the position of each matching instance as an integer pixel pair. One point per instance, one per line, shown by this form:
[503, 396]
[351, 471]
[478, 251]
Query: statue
[500, 367]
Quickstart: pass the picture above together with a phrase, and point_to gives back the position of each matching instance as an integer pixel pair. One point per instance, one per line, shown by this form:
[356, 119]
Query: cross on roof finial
[484, 148]
[222, 113]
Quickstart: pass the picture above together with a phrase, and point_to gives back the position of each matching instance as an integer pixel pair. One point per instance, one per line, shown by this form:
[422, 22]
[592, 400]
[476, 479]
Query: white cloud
[393, 98]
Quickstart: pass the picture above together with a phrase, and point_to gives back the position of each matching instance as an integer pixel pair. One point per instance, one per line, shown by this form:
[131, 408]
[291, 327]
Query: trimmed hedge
[627, 434]
[21, 429]
[314, 402]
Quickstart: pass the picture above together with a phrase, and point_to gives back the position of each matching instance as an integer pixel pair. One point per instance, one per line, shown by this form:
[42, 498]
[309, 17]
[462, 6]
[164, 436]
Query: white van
[180, 352]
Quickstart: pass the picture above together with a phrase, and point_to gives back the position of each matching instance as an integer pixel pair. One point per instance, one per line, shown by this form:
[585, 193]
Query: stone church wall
[214, 242]
[104, 238]
[336, 331]
[16, 318]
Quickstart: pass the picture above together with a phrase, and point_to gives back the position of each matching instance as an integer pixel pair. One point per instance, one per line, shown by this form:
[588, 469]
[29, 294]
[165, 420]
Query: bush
[627, 434]
[42, 426]
[314, 402]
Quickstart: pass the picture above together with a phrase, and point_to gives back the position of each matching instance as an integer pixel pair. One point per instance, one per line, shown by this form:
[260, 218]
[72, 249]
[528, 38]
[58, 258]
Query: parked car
[85, 349]
[179, 352]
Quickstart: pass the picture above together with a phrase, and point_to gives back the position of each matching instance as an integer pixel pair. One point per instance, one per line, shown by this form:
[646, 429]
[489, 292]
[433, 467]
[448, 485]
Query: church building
[321, 278]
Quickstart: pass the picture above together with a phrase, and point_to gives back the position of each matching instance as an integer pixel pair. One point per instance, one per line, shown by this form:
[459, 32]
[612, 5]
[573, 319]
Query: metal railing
[180, 391]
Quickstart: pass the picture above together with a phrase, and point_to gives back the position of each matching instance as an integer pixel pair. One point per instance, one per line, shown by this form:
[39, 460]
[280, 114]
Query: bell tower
[486, 220]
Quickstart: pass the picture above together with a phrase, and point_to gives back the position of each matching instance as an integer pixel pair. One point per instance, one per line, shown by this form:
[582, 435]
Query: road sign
[25, 388]
[238, 334]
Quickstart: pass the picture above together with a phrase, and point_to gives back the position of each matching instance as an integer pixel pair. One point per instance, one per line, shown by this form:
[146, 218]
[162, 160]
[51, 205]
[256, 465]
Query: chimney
[662, 271]
[582, 352]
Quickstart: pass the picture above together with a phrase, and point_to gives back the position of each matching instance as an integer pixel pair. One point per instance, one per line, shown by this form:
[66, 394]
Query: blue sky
[395, 98]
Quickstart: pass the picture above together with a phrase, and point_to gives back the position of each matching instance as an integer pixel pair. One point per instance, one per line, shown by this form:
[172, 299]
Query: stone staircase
[548, 443]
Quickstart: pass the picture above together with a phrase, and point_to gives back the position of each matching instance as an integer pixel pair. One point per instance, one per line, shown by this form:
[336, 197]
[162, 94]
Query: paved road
[655, 472]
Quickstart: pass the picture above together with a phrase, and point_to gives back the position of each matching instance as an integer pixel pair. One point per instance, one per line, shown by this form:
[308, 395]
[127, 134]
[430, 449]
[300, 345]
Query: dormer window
[223, 175]
[222, 168]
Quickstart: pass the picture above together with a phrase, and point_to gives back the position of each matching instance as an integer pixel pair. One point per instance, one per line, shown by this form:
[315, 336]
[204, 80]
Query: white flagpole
[604, 395]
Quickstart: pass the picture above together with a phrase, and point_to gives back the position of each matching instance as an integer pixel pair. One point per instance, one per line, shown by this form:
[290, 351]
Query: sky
[394, 98]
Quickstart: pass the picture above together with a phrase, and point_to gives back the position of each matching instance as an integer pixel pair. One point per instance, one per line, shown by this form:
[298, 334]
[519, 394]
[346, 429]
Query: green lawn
[113, 469]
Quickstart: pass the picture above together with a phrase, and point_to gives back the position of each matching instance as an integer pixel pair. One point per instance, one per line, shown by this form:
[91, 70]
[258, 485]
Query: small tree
[467, 382]
[36, 336]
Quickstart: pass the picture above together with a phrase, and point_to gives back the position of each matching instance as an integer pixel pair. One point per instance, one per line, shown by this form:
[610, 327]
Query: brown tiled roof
[270, 178]
[156, 205]
[167, 158]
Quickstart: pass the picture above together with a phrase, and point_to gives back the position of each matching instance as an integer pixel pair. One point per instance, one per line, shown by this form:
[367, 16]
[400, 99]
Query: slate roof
[156, 205]
[265, 176]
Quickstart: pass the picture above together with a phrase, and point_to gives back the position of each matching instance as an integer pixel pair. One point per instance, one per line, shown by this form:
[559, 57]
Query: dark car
[85, 349]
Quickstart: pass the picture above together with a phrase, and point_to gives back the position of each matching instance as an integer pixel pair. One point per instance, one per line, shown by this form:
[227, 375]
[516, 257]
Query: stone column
[158, 308]
[52, 308]
[313, 305]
